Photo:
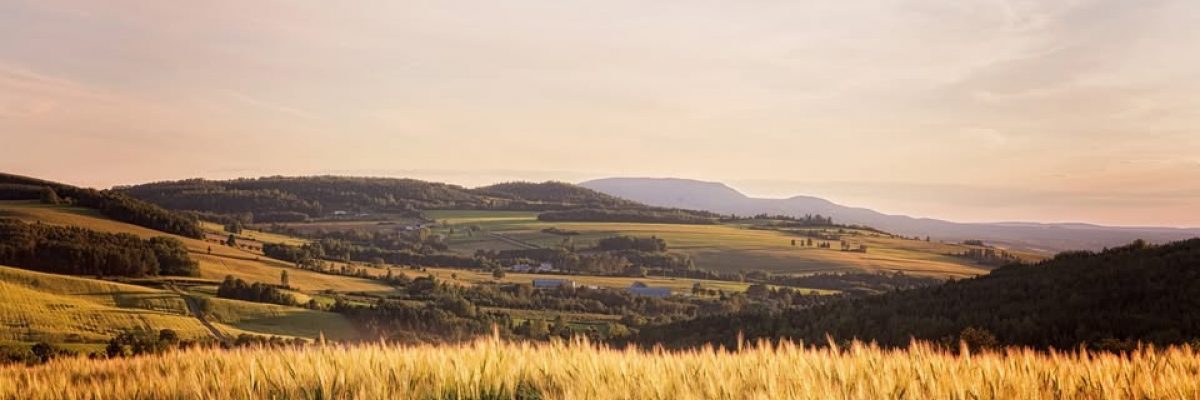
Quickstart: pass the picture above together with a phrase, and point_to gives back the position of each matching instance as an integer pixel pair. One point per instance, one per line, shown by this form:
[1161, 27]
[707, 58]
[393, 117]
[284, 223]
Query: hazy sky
[969, 110]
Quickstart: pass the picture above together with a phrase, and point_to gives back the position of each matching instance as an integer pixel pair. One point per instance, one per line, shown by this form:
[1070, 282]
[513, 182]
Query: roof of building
[650, 291]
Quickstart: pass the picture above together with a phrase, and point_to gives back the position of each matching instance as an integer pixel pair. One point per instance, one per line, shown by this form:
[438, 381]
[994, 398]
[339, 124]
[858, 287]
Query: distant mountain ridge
[717, 197]
[293, 199]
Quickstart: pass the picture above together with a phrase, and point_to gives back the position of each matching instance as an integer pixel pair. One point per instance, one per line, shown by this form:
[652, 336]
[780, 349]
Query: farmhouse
[552, 283]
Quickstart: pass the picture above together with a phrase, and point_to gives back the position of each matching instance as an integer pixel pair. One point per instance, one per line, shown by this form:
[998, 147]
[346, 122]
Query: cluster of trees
[855, 283]
[651, 244]
[236, 288]
[647, 215]
[78, 251]
[337, 250]
[1108, 300]
[990, 257]
[789, 221]
[39, 353]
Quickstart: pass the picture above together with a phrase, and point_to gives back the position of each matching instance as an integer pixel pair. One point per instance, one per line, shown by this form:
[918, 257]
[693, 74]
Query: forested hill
[283, 199]
[557, 192]
[112, 204]
[1110, 299]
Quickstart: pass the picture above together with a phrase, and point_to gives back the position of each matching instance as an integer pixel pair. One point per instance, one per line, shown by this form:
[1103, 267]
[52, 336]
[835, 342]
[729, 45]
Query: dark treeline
[337, 250]
[236, 288]
[856, 283]
[650, 244]
[78, 251]
[109, 203]
[806, 220]
[1107, 300]
[615, 263]
[314, 196]
[660, 216]
[990, 257]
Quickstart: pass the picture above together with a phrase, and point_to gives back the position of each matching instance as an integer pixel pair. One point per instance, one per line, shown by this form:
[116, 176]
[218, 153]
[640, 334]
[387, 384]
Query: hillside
[112, 204]
[1109, 299]
[717, 197]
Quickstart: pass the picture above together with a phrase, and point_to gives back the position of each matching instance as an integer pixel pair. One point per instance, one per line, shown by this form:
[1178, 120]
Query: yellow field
[53, 308]
[491, 369]
[248, 233]
[716, 247]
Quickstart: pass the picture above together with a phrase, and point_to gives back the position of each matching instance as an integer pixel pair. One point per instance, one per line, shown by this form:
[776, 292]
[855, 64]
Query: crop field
[718, 247]
[53, 308]
[271, 319]
[494, 369]
[252, 234]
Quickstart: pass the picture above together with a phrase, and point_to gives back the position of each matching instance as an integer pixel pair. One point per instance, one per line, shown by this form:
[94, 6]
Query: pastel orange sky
[1075, 110]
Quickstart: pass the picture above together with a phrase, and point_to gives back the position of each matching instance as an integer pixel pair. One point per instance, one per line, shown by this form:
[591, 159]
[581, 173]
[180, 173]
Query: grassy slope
[45, 307]
[235, 316]
[216, 265]
[248, 233]
[720, 247]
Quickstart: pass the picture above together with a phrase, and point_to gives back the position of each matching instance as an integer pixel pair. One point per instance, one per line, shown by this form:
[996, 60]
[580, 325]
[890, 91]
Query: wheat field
[495, 369]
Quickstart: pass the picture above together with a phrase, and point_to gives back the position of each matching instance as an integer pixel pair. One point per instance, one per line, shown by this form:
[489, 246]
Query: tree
[231, 241]
[283, 278]
[45, 352]
[234, 227]
[498, 273]
[758, 291]
[793, 242]
[49, 196]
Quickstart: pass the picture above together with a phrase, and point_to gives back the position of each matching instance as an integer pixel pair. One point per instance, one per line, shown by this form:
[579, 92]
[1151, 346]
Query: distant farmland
[716, 247]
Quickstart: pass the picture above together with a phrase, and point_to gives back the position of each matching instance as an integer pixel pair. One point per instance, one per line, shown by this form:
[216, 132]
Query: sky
[1050, 111]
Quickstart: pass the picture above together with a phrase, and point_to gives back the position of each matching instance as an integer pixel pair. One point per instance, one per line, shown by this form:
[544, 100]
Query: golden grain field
[492, 369]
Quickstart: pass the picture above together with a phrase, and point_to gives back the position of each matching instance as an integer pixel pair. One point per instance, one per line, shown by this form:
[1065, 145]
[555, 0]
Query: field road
[198, 312]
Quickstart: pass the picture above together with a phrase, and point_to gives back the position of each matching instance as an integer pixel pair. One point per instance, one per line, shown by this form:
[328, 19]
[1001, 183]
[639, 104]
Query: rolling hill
[717, 197]
[296, 199]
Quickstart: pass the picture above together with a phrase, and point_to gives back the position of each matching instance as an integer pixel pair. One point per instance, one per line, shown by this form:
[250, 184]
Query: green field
[716, 247]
